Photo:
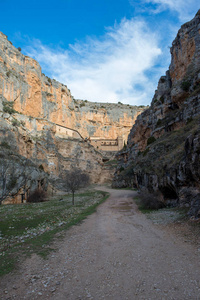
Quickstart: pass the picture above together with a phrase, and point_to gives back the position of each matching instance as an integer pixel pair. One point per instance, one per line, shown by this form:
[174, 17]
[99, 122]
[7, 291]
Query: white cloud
[186, 9]
[108, 69]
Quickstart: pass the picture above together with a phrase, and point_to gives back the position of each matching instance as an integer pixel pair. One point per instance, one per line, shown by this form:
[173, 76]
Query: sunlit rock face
[42, 122]
[36, 95]
[163, 145]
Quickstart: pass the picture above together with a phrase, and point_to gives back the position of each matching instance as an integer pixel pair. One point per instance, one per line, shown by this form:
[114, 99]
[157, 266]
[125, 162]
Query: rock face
[49, 155]
[41, 122]
[34, 94]
[163, 146]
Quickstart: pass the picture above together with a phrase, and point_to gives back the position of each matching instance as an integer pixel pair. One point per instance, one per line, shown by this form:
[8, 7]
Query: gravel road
[116, 253]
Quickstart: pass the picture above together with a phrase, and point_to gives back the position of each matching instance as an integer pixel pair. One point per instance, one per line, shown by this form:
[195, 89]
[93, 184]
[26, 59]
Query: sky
[103, 50]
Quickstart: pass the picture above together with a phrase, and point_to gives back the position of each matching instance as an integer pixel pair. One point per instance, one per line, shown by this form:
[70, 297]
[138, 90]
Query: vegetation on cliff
[162, 154]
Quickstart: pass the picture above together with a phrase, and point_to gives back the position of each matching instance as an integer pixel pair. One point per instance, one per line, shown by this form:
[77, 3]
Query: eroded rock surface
[36, 95]
[163, 145]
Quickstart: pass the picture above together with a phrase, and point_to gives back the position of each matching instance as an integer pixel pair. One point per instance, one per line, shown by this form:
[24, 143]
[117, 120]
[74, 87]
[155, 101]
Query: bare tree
[8, 177]
[25, 173]
[74, 180]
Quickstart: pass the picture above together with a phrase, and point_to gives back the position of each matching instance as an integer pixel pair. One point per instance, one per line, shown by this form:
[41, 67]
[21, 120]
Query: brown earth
[116, 253]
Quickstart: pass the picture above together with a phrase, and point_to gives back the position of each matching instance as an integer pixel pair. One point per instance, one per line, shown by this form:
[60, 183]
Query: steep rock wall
[163, 145]
[36, 95]
[30, 140]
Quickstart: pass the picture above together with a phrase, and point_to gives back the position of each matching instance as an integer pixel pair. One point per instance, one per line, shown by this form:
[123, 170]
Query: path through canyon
[116, 253]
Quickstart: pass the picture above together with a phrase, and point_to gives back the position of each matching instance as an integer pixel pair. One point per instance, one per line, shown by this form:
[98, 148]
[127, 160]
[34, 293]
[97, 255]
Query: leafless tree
[74, 180]
[25, 175]
[8, 177]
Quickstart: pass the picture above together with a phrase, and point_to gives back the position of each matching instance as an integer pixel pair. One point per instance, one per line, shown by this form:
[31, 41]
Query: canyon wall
[34, 94]
[44, 130]
[162, 154]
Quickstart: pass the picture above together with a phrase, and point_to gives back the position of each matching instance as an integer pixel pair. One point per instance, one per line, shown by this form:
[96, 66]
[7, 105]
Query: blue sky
[103, 50]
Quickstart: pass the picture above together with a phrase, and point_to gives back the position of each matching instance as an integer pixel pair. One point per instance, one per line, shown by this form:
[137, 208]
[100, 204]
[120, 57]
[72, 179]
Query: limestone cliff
[163, 145]
[34, 94]
[43, 126]
[46, 153]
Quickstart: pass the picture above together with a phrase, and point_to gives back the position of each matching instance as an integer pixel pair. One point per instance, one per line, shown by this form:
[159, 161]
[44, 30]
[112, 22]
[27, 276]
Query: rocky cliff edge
[163, 146]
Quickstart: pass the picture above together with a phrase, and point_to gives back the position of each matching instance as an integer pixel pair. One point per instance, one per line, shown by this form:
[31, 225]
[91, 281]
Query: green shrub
[185, 85]
[159, 122]
[22, 123]
[5, 145]
[121, 169]
[145, 152]
[41, 168]
[15, 122]
[162, 99]
[189, 120]
[8, 107]
[162, 80]
[8, 73]
[150, 201]
[151, 140]
[37, 196]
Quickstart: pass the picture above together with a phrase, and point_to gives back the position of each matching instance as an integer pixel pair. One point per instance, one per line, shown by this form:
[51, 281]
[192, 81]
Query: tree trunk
[72, 198]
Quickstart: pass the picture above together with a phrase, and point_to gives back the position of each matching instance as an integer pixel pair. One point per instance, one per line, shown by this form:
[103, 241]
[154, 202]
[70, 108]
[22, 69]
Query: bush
[8, 107]
[185, 85]
[159, 122]
[121, 169]
[16, 123]
[5, 145]
[162, 99]
[8, 73]
[151, 140]
[23, 123]
[150, 201]
[41, 168]
[38, 195]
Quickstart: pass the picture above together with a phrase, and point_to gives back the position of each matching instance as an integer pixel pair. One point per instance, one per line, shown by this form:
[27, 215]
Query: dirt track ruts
[116, 253]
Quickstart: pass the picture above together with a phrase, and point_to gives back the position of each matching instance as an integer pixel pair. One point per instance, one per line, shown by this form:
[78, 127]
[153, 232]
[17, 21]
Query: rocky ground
[117, 253]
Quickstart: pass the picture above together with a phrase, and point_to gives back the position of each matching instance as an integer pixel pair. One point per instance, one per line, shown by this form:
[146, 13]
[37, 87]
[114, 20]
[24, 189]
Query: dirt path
[117, 253]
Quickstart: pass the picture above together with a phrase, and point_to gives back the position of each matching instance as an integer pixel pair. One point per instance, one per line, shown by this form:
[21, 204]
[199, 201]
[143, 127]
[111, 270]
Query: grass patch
[31, 228]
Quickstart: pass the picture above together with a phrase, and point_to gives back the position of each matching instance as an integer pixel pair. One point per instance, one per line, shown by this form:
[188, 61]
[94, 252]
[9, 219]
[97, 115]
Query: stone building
[107, 144]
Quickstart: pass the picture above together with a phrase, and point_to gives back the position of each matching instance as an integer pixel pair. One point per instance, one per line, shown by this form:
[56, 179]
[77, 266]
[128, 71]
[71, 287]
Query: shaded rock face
[36, 95]
[163, 146]
[48, 154]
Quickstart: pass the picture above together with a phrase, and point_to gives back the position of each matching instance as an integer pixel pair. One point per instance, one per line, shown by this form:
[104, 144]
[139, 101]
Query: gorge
[42, 123]
[162, 154]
